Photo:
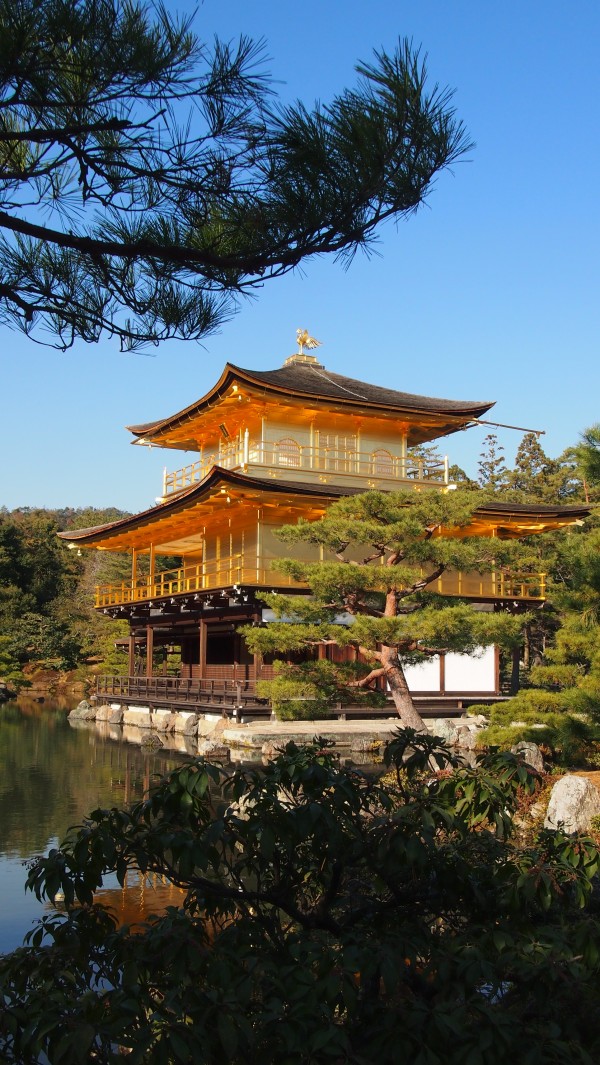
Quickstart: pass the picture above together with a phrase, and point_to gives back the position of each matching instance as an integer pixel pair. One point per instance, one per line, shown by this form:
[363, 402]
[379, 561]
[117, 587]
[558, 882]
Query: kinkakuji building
[273, 446]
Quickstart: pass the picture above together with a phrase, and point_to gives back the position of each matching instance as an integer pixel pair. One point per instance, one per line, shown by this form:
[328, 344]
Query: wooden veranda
[238, 698]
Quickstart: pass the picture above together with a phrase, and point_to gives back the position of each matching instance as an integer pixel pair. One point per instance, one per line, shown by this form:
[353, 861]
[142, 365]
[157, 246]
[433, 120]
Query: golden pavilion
[271, 446]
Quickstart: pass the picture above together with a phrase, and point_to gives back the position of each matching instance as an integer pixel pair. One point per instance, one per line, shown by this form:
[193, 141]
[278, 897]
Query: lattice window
[383, 463]
[288, 452]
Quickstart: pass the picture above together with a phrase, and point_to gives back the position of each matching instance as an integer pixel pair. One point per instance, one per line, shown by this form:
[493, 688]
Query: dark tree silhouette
[146, 181]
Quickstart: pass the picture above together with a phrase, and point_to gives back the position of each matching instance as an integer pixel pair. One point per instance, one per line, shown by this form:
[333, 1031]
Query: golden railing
[493, 585]
[201, 577]
[261, 572]
[379, 464]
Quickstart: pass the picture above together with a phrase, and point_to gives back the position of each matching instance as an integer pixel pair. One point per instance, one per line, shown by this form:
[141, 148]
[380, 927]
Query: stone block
[103, 712]
[139, 717]
[205, 727]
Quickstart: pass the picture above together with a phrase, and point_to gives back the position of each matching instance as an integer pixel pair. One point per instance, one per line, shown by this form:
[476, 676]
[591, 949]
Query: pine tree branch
[363, 682]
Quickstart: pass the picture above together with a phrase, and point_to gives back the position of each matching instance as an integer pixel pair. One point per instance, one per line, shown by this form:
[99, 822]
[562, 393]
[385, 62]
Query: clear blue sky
[489, 292]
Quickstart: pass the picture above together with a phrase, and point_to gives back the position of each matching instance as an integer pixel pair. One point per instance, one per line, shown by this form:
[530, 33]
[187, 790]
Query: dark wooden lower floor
[238, 698]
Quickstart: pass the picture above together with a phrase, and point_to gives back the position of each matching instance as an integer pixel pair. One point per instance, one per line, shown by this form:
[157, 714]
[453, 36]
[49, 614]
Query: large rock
[151, 742]
[206, 728]
[84, 711]
[212, 750]
[444, 729]
[479, 720]
[530, 753]
[361, 744]
[573, 803]
[466, 737]
[186, 722]
[163, 720]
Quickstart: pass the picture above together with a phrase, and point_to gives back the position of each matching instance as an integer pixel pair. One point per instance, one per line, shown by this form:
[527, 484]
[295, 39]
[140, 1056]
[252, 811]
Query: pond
[51, 776]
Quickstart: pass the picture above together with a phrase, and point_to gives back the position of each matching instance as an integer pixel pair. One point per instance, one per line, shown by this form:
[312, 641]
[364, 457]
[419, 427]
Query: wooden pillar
[202, 656]
[151, 568]
[258, 545]
[131, 662]
[312, 462]
[442, 674]
[149, 649]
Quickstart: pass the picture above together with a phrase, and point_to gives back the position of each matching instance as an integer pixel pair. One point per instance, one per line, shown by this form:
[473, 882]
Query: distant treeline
[47, 617]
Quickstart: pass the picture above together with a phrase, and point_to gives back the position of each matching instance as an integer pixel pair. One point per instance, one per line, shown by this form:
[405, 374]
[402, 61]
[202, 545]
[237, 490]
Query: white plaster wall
[476, 672]
[464, 673]
[424, 677]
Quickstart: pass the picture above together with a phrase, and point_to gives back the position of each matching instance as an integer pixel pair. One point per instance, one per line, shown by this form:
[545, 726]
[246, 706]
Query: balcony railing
[378, 465]
[493, 585]
[250, 571]
[202, 577]
[179, 692]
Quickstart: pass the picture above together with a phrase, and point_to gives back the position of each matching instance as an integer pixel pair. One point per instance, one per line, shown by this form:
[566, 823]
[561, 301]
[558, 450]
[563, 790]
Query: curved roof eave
[190, 496]
[166, 423]
[293, 380]
[219, 475]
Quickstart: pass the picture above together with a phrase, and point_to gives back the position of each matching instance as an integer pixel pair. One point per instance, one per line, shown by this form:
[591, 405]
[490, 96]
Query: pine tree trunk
[394, 674]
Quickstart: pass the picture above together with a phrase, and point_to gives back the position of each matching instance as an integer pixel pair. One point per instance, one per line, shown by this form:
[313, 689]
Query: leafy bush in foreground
[329, 918]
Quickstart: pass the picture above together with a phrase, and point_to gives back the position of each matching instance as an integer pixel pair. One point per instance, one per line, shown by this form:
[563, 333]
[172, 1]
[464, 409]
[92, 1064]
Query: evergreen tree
[492, 467]
[534, 474]
[47, 614]
[587, 456]
[561, 702]
[424, 457]
[456, 475]
[386, 551]
[12, 678]
[169, 178]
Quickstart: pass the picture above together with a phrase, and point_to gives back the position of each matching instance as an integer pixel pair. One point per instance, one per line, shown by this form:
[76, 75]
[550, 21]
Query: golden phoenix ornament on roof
[306, 341]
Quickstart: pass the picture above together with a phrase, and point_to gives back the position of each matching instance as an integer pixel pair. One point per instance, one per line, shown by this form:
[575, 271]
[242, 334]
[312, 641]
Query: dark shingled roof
[306, 379]
[317, 381]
